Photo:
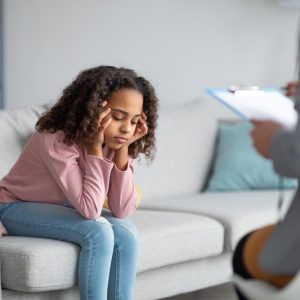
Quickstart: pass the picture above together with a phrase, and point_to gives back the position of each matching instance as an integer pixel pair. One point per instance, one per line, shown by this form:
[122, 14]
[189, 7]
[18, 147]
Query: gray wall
[182, 46]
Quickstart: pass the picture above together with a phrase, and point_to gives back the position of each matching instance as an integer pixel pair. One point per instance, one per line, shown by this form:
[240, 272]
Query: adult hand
[262, 136]
[291, 89]
[140, 130]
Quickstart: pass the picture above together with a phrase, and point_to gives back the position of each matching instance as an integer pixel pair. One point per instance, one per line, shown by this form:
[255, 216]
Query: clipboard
[265, 104]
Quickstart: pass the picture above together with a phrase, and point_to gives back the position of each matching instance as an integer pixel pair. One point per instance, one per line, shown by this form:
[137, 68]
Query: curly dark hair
[77, 111]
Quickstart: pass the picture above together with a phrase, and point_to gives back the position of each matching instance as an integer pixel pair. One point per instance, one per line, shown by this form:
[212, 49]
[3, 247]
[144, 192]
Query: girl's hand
[121, 155]
[262, 136]
[140, 130]
[103, 123]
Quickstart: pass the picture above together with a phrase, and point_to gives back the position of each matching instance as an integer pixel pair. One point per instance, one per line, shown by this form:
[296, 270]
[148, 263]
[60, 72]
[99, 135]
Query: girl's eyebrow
[124, 112]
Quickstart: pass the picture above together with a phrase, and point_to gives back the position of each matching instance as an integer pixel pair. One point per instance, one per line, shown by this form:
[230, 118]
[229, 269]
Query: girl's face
[126, 109]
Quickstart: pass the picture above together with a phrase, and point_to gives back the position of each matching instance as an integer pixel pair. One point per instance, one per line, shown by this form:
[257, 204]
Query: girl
[81, 153]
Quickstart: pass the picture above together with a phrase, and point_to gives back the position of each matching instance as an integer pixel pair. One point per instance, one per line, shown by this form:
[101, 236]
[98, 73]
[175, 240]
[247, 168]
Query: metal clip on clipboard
[245, 90]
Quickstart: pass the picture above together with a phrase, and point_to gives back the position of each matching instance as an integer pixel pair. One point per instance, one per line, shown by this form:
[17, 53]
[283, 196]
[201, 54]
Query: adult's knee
[238, 264]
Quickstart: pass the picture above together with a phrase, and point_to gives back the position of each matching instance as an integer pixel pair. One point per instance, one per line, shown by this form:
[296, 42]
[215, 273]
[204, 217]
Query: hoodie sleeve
[122, 196]
[86, 190]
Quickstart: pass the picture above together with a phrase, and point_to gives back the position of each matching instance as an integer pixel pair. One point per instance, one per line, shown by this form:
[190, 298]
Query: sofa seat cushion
[239, 212]
[169, 237]
[35, 264]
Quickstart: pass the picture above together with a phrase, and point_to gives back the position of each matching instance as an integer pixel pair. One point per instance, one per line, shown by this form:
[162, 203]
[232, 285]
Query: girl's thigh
[45, 220]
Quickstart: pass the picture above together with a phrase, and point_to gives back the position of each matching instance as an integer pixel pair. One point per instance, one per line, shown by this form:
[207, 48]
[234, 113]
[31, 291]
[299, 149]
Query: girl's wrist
[121, 158]
[95, 149]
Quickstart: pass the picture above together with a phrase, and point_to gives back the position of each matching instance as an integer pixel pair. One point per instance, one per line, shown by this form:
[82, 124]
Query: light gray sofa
[187, 236]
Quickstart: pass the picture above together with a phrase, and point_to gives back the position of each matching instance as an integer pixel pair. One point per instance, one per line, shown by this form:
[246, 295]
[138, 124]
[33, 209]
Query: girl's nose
[125, 128]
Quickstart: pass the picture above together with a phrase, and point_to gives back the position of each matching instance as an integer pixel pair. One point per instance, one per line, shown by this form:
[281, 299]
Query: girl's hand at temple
[262, 136]
[103, 123]
[121, 154]
[140, 130]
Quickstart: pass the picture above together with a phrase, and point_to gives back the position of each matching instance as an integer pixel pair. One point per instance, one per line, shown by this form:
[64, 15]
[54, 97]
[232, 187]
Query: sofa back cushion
[185, 140]
[16, 125]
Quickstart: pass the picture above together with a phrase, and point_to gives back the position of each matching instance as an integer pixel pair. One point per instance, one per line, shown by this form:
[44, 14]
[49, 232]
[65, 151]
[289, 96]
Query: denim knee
[126, 234]
[98, 234]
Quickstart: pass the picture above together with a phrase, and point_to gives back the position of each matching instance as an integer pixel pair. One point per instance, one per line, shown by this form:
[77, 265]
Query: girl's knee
[100, 233]
[126, 233]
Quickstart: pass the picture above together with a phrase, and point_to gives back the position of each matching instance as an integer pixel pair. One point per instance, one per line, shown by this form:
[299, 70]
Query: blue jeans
[108, 245]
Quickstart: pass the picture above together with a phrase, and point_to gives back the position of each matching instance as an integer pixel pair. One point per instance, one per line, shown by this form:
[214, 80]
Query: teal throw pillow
[238, 166]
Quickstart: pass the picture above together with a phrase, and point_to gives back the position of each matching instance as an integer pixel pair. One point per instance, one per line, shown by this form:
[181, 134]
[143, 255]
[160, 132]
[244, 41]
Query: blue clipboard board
[266, 104]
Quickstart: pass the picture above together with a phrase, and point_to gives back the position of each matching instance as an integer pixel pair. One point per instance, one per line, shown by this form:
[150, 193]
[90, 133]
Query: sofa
[187, 234]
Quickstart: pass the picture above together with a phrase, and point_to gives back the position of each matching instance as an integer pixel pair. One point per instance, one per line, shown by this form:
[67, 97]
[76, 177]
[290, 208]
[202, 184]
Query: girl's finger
[104, 114]
[106, 123]
[142, 121]
[144, 125]
[144, 116]
[144, 129]
[139, 125]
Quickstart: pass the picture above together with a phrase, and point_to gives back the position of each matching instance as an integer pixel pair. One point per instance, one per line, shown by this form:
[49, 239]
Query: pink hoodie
[50, 171]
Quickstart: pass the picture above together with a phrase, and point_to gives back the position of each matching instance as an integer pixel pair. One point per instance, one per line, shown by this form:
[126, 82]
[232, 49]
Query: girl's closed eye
[135, 121]
[120, 118]
[117, 117]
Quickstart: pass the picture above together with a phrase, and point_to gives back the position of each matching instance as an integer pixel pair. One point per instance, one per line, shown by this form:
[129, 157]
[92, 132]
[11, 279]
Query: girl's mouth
[120, 140]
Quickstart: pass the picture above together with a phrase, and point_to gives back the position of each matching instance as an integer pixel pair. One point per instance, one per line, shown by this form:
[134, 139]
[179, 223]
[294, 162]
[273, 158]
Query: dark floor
[221, 292]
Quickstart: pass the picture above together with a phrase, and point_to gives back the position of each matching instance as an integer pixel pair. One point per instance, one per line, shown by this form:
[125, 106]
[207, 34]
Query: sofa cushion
[185, 140]
[239, 212]
[171, 237]
[34, 264]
